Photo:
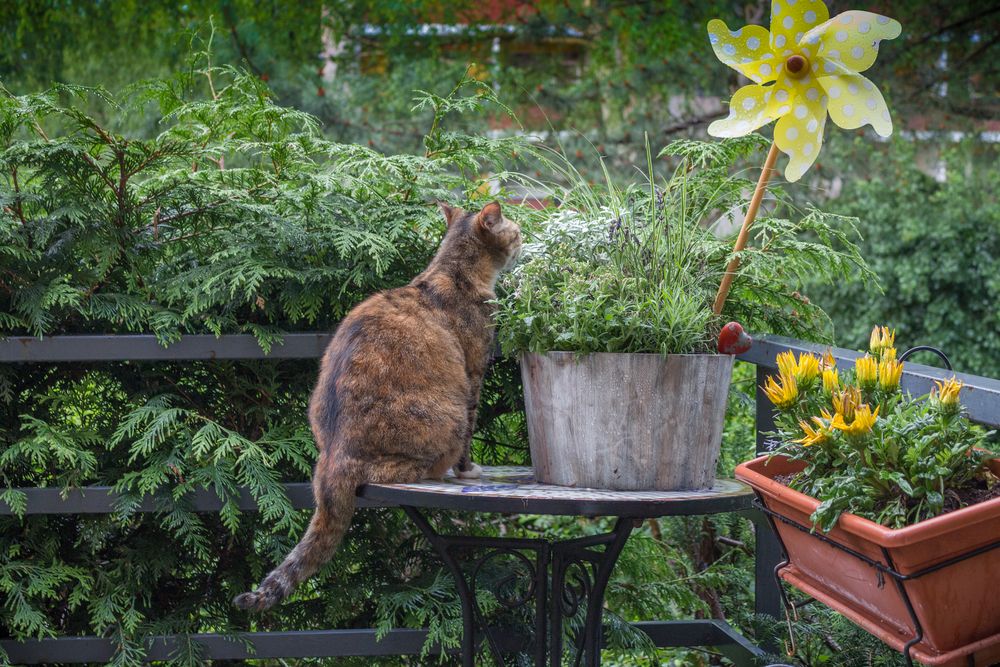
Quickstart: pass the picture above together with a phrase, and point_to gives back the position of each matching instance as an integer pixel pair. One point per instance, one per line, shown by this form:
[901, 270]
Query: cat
[399, 386]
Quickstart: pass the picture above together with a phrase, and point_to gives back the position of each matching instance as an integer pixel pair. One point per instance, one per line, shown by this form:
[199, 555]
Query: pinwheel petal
[745, 50]
[791, 19]
[856, 101]
[799, 134]
[852, 38]
[749, 108]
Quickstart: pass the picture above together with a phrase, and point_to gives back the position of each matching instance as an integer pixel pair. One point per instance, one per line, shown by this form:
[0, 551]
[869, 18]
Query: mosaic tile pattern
[519, 482]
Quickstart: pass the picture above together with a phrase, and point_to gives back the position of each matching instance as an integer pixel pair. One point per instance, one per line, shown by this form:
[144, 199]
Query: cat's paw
[475, 471]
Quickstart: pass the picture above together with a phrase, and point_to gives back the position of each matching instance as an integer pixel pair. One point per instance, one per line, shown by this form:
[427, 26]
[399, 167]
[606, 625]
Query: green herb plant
[635, 268]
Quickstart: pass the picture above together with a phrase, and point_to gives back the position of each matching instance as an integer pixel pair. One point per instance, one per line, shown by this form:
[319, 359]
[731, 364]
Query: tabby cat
[399, 386]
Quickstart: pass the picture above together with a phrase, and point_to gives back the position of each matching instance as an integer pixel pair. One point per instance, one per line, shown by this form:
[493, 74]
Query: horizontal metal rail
[344, 643]
[105, 500]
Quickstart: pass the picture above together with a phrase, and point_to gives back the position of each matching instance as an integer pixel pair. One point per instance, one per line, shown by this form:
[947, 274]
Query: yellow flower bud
[808, 369]
[881, 339]
[889, 372]
[828, 361]
[831, 380]
[845, 402]
[783, 394]
[946, 395]
[786, 363]
[866, 371]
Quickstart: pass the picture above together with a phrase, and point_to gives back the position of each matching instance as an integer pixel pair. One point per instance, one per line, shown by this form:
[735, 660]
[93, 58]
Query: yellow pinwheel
[807, 65]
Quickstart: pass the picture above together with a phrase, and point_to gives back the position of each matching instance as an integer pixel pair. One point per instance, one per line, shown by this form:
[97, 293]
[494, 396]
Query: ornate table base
[580, 569]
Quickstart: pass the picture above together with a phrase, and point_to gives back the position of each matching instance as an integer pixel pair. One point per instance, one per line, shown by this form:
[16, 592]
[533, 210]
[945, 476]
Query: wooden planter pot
[957, 606]
[626, 421]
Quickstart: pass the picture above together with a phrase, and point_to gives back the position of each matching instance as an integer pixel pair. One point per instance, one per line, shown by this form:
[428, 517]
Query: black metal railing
[981, 397]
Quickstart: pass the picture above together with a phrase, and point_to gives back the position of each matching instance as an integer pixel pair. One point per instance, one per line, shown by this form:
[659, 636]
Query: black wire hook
[927, 348]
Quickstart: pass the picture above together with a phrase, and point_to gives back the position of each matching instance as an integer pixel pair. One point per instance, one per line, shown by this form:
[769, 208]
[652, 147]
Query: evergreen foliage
[236, 216]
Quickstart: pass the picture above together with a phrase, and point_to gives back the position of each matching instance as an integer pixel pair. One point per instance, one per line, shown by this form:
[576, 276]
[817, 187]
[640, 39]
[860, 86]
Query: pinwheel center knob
[797, 66]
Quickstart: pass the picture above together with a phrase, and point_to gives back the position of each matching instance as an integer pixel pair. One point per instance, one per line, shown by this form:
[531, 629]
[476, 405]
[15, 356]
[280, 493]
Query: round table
[580, 567]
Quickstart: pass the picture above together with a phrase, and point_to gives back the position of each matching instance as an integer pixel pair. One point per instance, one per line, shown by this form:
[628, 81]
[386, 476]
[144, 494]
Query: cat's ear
[490, 216]
[450, 213]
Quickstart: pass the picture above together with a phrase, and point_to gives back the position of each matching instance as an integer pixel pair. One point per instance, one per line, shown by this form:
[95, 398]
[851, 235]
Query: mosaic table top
[510, 489]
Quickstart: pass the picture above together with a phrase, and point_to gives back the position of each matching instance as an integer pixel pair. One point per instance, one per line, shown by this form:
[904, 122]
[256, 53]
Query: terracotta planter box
[626, 421]
[958, 606]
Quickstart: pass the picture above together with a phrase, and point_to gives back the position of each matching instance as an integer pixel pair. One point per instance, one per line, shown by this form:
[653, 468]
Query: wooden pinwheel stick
[741, 240]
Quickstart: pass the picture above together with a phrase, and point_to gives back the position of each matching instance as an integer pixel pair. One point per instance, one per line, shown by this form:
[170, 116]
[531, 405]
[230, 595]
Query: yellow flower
[814, 436]
[845, 402]
[888, 353]
[866, 371]
[808, 368]
[783, 394]
[946, 394]
[882, 341]
[828, 362]
[831, 380]
[803, 67]
[889, 372]
[863, 421]
[805, 370]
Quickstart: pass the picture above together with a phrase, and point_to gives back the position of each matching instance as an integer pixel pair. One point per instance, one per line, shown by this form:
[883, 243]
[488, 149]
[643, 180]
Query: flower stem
[741, 240]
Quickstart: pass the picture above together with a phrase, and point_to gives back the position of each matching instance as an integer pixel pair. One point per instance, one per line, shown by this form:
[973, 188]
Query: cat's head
[487, 231]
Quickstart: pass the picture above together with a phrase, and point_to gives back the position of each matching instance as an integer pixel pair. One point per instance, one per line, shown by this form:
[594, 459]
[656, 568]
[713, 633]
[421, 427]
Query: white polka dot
[791, 3]
[848, 109]
[833, 53]
[864, 27]
[744, 60]
[775, 9]
[753, 43]
[834, 91]
[798, 37]
[812, 125]
[808, 149]
[749, 103]
[729, 50]
[781, 95]
[829, 67]
[779, 41]
[812, 94]
[857, 52]
[792, 134]
[765, 69]
[871, 103]
[713, 38]
[788, 22]
[852, 88]
[787, 52]
[813, 38]
[882, 19]
[868, 84]
[841, 35]
[801, 111]
[783, 110]
[767, 96]
[885, 115]
[736, 33]
[845, 18]
[810, 16]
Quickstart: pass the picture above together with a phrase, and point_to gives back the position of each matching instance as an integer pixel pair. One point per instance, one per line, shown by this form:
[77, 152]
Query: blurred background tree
[600, 74]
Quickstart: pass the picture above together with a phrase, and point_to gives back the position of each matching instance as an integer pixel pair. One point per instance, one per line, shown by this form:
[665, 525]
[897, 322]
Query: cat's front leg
[466, 468]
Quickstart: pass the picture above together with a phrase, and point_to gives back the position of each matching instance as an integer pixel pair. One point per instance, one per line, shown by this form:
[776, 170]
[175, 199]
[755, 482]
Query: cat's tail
[334, 490]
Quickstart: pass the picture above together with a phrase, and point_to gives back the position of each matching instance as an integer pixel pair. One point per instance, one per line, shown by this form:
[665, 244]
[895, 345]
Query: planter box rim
[928, 529]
